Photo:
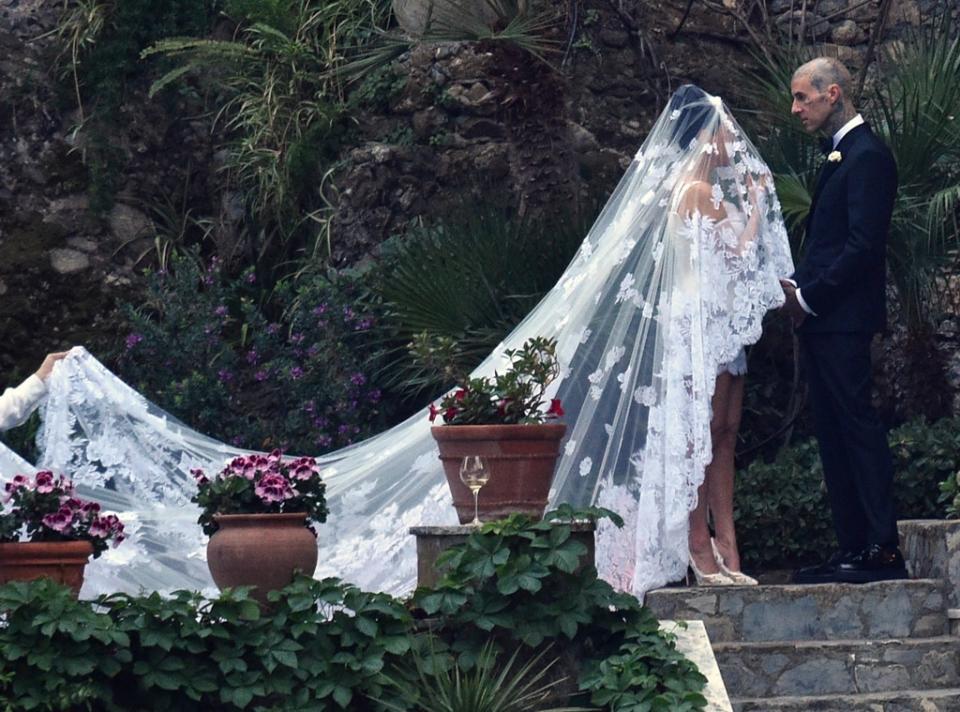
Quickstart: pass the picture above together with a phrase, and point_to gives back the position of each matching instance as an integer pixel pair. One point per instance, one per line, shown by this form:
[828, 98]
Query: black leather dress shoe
[825, 572]
[875, 563]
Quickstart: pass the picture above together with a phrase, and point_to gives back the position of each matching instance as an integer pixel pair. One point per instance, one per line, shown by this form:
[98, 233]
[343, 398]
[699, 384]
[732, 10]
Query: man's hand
[46, 368]
[792, 305]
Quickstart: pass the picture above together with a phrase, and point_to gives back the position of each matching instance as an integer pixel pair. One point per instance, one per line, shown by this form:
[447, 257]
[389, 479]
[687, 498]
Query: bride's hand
[46, 368]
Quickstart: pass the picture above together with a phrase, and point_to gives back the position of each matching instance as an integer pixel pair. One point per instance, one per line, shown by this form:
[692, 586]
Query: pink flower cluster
[274, 479]
[44, 482]
[47, 502]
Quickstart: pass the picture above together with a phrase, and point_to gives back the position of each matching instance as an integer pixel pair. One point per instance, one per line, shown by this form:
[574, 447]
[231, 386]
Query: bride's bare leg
[727, 409]
[699, 536]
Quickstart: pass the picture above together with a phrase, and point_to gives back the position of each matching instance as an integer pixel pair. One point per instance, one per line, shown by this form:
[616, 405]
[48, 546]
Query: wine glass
[474, 474]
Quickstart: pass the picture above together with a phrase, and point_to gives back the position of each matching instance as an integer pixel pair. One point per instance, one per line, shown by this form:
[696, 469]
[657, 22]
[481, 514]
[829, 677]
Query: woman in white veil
[662, 293]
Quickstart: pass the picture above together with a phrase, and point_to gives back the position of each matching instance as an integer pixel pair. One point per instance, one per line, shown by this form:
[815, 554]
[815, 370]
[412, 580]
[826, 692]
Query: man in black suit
[837, 302]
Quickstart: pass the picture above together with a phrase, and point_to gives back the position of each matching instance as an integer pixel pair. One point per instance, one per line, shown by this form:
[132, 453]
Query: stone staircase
[882, 647]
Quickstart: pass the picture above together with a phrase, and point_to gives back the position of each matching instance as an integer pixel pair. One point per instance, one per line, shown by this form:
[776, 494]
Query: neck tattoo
[839, 116]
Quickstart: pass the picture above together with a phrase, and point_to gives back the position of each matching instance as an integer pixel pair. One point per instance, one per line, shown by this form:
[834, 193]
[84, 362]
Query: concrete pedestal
[433, 541]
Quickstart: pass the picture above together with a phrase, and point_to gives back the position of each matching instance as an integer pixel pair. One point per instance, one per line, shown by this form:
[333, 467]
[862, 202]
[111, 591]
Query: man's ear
[834, 93]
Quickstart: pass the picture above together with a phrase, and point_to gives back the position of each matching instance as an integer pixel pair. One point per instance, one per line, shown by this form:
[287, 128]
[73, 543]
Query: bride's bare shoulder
[697, 195]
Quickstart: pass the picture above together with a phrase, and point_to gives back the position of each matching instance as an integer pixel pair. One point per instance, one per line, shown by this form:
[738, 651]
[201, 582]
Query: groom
[836, 301]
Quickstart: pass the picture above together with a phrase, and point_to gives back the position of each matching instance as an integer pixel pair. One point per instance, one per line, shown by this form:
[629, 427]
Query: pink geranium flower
[273, 488]
[59, 521]
[44, 482]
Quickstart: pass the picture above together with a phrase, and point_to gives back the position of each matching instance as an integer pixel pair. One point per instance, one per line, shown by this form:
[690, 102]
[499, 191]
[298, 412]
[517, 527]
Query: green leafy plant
[261, 484]
[485, 687]
[520, 581]
[285, 368]
[100, 43]
[515, 396]
[281, 100]
[487, 269]
[781, 507]
[517, 585]
[323, 647]
[950, 495]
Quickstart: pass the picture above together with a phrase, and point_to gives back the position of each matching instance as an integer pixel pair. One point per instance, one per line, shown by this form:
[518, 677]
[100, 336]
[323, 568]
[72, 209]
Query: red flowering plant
[516, 396]
[261, 484]
[44, 508]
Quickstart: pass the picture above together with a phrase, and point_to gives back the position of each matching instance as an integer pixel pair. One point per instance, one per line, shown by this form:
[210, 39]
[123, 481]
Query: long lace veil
[671, 282]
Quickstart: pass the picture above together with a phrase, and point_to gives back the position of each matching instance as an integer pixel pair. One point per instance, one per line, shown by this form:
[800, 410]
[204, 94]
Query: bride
[669, 285]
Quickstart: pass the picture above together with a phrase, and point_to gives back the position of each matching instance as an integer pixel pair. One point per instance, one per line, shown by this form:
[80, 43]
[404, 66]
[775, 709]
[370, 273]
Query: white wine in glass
[474, 474]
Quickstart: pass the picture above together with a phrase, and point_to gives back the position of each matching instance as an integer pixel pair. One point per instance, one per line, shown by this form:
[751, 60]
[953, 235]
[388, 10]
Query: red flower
[450, 413]
[460, 394]
[502, 406]
[434, 412]
[555, 410]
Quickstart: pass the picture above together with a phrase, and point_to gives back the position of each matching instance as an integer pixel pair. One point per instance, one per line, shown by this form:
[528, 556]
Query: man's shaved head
[821, 91]
[824, 71]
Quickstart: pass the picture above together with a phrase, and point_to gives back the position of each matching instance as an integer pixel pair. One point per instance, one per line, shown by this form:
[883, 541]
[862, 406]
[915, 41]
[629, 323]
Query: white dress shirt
[837, 137]
[16, 404]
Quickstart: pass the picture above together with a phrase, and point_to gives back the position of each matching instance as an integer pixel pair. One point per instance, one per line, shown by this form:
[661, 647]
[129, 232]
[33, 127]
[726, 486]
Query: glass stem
[476, 505]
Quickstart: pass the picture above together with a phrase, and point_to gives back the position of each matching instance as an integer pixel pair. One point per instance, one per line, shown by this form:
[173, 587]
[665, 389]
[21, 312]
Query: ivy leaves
[515, 589]
[518, 580]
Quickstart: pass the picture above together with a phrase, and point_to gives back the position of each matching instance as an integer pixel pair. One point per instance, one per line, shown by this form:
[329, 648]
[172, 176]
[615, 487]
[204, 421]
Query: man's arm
[871, 189]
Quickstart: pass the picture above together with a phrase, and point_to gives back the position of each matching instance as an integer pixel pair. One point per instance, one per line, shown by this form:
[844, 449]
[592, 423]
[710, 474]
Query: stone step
[947, 700]
[888, 609]
[842, 667]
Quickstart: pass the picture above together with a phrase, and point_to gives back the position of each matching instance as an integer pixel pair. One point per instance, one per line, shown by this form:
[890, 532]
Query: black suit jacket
[842, 276]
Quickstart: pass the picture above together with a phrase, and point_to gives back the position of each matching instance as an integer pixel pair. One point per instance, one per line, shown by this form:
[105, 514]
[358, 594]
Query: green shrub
[950, 495]
[781, 507]
[322, 647]
[512, 588]
[286, 368]
[470, 279]
[517, 582]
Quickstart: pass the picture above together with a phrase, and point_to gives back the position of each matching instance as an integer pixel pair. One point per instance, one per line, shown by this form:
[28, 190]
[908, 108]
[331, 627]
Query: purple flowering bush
[287, 367]
[261, 484]
[44, 508]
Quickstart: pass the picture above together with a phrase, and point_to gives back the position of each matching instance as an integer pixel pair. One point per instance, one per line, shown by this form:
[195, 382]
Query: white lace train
[664, 289]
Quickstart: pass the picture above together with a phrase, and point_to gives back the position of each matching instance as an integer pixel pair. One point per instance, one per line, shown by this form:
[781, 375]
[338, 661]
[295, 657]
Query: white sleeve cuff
[16, 404]
[803, 304]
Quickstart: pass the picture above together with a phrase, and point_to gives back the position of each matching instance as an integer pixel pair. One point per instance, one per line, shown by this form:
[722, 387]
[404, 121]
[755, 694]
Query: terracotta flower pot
[62, 561]
[521, 459]
[262, 550]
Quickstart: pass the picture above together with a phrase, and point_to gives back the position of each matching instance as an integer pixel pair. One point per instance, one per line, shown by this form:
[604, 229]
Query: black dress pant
[857, 464]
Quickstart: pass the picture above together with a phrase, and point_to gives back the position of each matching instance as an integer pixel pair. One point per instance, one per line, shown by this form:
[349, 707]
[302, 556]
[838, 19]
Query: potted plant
[46, 531]
[257, 511]
[503, 420]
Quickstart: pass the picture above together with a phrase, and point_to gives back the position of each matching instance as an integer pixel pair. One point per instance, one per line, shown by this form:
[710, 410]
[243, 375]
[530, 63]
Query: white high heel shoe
[737, 577]
[702, 579]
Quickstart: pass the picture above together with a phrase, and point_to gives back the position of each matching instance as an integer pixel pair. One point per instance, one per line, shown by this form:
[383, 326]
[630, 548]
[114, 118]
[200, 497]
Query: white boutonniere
[835, 157]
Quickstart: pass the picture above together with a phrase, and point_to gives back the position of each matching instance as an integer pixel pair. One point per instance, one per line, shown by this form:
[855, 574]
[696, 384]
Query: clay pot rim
[517, 431]
[254, 517]
[76, 546]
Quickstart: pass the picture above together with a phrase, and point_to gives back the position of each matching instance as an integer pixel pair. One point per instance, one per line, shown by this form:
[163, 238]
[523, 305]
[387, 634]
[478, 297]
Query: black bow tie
[826, 145]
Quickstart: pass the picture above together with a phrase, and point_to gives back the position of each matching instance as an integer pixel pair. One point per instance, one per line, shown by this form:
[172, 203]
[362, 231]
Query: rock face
[472, 122]
[63, 265]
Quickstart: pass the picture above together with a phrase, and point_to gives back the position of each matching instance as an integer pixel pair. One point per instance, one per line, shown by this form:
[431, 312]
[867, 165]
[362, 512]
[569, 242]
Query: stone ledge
[887, 609]
[839, 666]
[945, 700]
[694, 643]
[932, 550]
[434, 540]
